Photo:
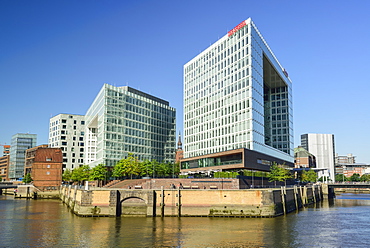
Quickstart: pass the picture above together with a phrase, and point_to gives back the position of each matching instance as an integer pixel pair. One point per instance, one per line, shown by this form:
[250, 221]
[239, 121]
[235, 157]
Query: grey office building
[123, 120]
[19, 144]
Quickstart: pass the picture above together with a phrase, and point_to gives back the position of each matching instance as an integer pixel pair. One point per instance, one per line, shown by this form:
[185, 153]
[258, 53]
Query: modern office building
[19, 144]
[123, 120]
[237, 96]
[322, 146]
[67, 131]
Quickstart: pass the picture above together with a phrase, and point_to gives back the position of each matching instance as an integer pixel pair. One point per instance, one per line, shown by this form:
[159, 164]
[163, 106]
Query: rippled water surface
[343, 222]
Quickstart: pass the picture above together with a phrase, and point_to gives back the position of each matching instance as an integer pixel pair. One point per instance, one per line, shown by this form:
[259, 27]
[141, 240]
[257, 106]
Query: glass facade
[216, 161]
[123, 120]
[19, 144]
[237, 95]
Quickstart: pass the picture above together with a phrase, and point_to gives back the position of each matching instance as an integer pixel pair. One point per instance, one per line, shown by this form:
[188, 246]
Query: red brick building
[45, 166]
[179, 151]
[303, 159]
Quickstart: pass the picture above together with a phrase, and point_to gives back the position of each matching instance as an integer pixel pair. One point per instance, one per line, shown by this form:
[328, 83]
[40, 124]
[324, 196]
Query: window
[64, 121]
[48, 173]
[48, 166]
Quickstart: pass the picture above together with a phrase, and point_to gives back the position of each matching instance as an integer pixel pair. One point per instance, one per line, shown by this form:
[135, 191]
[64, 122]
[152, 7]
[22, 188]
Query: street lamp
[252, 178]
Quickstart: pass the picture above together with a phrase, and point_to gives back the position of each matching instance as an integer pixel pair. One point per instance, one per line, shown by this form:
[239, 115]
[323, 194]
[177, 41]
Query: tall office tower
[122, 120]
[237, 95]
[19, 144]
[322, 146]
[67, 132]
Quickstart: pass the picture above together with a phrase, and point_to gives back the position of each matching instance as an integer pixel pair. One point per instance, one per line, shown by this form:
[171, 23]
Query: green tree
[155, 166]
[163, 170]
[355, 177]
[81, 174]
[174, 169]
[340, 178]
[278, 173]
[127, 167]
[146, 168]
[309, 176]
[99, 173]
[67, 174]
[365, 178]
[27, 178]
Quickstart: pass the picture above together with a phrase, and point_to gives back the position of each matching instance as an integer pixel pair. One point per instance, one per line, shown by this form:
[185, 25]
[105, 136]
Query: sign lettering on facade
[236, 29]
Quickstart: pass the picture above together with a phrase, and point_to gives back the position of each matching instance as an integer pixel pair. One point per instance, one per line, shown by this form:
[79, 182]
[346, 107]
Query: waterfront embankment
[268, 202]
[29, 191]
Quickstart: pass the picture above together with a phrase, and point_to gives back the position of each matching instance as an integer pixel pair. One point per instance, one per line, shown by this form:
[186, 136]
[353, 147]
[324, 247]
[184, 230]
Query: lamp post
[252, 179]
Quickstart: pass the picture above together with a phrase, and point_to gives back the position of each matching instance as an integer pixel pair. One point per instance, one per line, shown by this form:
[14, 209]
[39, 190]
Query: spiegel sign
[236, 29]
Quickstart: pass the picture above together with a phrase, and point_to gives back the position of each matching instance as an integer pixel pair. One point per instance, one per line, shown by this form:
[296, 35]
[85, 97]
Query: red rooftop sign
[236, 29]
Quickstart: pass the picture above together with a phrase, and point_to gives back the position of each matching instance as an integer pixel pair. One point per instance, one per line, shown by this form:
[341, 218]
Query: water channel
[342, 222]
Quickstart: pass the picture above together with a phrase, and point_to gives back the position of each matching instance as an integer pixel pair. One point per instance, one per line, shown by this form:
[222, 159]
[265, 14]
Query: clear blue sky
[56, 55]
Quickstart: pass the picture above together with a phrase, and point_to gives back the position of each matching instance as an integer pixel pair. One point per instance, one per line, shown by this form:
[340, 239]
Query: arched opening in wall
[133, 207]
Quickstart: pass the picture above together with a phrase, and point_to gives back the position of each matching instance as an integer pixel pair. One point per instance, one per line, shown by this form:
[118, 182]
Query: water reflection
[338, 223]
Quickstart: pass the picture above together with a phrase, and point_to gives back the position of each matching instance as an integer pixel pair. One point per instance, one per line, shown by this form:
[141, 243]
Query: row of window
[64, 143]
[225, 47]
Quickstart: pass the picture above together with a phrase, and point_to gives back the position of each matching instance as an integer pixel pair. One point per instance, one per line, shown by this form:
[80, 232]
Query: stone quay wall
[188, 202]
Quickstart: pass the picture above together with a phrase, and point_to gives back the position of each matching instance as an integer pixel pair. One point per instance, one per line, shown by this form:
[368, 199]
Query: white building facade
[322, 146]
[237, 95]
[67, 131]
[123, 120]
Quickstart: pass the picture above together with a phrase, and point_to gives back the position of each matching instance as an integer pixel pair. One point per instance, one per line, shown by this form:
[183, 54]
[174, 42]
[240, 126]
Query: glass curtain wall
[123, 120]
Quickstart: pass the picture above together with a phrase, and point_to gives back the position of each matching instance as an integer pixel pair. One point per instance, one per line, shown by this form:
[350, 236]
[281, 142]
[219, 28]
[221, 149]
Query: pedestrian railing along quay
[350, 185]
